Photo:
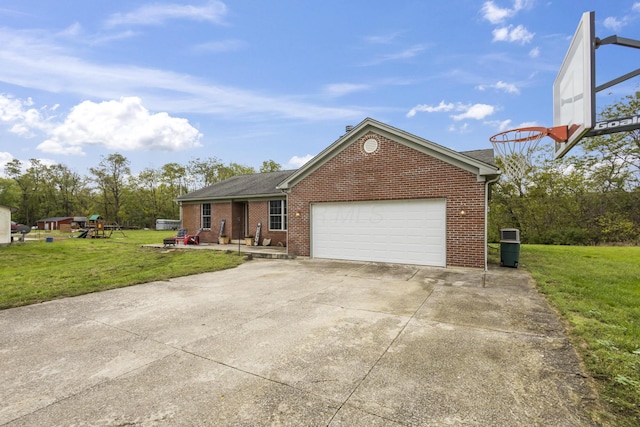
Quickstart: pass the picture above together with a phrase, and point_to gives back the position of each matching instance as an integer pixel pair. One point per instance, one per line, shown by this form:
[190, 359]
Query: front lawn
[37, 270]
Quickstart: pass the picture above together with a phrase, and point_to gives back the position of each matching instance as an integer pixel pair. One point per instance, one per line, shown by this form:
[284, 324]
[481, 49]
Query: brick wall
[393, 172]
[192, 220]
[259, 212]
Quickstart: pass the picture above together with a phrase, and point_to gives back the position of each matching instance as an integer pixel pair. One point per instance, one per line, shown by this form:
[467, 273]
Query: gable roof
[241, 186]
[479, 162]
[55, 219]
[487, 156]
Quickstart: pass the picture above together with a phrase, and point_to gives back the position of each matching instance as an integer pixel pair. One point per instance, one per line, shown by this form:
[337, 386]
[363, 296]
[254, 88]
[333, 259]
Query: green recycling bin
[509, 254]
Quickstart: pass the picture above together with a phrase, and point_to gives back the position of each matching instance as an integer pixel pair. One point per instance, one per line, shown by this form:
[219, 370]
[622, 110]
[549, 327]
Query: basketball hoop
[516, 146]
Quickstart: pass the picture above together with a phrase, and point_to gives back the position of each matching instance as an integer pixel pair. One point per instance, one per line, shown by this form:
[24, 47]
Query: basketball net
[515, 149]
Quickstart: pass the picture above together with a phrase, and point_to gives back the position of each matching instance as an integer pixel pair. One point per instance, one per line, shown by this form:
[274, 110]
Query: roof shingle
[255, 185]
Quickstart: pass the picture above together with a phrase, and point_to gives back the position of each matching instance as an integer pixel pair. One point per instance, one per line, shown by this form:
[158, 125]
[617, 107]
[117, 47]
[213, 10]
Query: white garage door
[404, 231]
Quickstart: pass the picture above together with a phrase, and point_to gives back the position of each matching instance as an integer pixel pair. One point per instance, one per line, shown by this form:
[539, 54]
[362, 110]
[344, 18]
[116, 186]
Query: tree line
[135, 200]
[589, 197]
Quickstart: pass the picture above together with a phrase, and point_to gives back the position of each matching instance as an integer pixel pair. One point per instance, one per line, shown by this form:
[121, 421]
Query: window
[206, 215]
[277, 215]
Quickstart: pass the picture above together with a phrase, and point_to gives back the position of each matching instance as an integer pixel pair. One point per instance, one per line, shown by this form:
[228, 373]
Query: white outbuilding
[5, 224]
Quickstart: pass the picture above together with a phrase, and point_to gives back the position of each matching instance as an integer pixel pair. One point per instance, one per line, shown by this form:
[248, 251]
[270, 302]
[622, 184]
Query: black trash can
[509, 254]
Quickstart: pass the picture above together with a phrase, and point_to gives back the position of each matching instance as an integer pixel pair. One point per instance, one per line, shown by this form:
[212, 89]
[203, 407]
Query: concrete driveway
[298, 343]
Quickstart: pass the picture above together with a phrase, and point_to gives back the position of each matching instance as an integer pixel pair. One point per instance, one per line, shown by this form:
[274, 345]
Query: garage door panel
[408, 231]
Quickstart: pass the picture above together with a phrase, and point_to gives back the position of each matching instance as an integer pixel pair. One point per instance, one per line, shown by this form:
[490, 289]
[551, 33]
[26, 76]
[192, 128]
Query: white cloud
[220, 46]
[528, 124]
[119, 125]
[12, 109]
[534, 53]
[382, 39]
[507, 87]
[463, 128]
[408, 53]
[614, 24]
[157, 14]
[636, 7]
[72, 30]
[500, 125]
[296, 162]
[504, 125]
[107, 38]
[20, 115]
[518, 34]
[476, 111]
[424, 108]
[341, 89]
[495, 14]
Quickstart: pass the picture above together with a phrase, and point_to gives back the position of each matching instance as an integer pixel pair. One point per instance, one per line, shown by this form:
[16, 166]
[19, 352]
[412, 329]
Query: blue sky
[246, 81]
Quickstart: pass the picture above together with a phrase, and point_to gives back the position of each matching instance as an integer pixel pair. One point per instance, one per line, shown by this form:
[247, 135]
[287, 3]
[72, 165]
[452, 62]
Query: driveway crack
[382, 354]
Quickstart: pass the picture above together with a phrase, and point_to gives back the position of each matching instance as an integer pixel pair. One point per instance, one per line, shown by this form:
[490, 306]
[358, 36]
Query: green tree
[111, 177]
[201, 173]
[30, 183]
[270, 166]
[143, 205]
[60, 191]
[233, 169]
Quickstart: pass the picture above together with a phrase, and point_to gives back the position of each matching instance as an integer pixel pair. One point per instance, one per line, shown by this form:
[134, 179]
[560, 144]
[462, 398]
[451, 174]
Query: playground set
[98, 228]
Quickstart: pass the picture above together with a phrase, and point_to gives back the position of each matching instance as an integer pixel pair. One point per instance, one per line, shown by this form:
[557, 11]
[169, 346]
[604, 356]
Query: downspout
[486, 220]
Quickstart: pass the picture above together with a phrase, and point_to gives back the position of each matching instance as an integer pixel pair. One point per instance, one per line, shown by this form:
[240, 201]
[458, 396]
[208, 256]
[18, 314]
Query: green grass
[37, 271]
[597, 290]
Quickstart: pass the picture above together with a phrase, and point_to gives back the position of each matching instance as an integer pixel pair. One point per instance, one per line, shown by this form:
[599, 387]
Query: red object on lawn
[193, 239]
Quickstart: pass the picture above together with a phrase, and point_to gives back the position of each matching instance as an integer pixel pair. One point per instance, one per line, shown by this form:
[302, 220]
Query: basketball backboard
[574, 87]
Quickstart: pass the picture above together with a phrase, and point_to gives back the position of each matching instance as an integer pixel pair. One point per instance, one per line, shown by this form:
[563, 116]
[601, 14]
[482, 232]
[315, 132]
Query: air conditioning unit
[510, 235]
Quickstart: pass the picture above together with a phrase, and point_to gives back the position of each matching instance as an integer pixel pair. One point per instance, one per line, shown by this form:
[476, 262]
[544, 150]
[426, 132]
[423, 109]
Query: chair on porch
[193, 239]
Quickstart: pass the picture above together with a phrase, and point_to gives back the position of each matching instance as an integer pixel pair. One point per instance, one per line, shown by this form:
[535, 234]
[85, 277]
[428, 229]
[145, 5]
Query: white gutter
[486, 220]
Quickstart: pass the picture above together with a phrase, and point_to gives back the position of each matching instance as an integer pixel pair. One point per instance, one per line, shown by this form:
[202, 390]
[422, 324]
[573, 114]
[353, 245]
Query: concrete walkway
[296, 343]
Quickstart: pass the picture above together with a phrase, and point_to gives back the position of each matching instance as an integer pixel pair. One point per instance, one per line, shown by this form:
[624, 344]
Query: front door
[240, 213]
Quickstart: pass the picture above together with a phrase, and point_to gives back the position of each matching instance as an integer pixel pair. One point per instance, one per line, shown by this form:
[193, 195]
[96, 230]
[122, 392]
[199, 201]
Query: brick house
[376, 194]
